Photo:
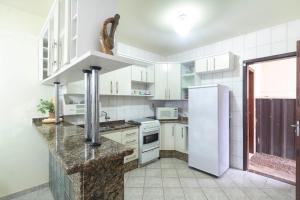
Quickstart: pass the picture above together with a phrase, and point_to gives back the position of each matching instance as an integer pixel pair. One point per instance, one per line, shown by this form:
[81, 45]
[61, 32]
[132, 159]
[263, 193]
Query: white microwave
[166, 113]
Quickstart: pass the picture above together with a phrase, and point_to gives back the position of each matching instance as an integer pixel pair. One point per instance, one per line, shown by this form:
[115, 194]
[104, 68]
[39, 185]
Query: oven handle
[150, 149]
[150, 132]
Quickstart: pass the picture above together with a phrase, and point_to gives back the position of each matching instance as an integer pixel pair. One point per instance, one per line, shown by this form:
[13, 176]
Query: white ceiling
[36, 7]
[146, 23]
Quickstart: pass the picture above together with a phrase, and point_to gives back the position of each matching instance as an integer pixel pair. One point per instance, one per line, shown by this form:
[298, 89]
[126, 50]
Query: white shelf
[188, 75]
[73, 71]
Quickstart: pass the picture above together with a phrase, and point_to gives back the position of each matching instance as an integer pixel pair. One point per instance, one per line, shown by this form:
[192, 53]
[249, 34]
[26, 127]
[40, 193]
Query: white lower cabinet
[174, 137]
[167, 136]
[128, 137]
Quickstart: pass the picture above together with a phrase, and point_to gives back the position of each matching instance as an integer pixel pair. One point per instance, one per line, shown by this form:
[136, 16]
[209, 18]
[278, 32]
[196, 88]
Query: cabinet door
[115, 136]
[136, 73]
[180, 138]
[167, 136]
[210, 64]
[122, 81]
[107, 84]
[201, 65]
[174, 82]
[54, 31]
[222, 62]
[150, 74]
[64, 31]
[161, 72]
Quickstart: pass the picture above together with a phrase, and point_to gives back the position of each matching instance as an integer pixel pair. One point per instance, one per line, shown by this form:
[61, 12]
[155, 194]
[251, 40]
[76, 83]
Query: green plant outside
[45, 106]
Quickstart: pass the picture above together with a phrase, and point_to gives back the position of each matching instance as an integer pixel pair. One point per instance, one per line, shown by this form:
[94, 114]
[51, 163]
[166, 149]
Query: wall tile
[294, 29]
[279, 33]
[279, 48]
[264, 51]
[250, 40]
[264, 37]
[292, 45]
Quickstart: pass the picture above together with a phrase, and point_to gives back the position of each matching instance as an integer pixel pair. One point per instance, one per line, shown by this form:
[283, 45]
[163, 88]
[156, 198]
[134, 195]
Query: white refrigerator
[208, 124]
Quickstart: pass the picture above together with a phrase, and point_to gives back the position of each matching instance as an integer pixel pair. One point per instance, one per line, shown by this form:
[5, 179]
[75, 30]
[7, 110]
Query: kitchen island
[78, 171]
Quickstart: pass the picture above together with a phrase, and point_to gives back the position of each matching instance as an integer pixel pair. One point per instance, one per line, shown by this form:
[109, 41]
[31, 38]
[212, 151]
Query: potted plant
[46, 106]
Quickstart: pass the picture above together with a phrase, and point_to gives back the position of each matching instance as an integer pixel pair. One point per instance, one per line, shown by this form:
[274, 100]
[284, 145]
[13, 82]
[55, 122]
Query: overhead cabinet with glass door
[167, 81]
[72, 29]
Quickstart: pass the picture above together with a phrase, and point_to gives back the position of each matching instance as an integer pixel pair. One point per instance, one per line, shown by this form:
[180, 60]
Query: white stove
[149, 131]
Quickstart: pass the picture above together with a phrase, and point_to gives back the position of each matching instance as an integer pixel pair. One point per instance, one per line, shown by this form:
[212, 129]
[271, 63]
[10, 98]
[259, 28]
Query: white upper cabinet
[224, 61]
[167, 81]
[216, 63]
[161, 81]
[142, 74]
[201, 65]
[117, 82]
[150, 74]
[123, 81]
[74, 29]
[174, 82]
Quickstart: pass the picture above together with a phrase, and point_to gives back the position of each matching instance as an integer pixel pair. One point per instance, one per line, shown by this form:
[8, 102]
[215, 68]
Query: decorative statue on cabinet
[107, 39]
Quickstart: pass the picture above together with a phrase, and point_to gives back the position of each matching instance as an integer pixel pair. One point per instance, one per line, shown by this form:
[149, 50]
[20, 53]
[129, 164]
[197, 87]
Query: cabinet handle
[169, 93]
[141, 75]
[146, 76]
[181, 132]
[111, 89]
[117, 87]
[173, 130]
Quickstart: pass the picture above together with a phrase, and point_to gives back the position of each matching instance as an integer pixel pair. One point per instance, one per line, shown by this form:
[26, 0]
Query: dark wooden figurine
[107, 39]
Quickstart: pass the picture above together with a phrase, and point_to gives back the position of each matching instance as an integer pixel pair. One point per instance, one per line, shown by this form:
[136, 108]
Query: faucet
[106, 116]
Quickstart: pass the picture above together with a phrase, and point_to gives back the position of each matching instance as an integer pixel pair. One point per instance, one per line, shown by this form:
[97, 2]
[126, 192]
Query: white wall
[275, 79]
[23, 154]
[270, 41]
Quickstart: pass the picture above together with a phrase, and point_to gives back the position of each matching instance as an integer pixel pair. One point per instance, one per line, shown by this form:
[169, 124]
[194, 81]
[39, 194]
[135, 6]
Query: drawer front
[115, 136]
[130, 137]
[133, 156]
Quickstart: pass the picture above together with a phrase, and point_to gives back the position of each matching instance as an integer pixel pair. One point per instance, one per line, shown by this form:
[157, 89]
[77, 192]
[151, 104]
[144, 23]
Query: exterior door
[297, 125]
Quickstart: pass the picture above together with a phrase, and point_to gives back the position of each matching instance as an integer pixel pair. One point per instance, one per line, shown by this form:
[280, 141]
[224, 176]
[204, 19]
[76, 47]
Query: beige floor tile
[207, 183]
[225, 182]
[153, 172]
[194, 194]
[171, 182]
[153, 194]
[135, 182]
[174, 194]
[185, 173]
[169, 173]
[277, 194]
[154, 165]
[214, 194]
[138, 172]
[235, 194]
[167, 166]
[153, 182]
[133, 193]
[189, 182]
[255, 194]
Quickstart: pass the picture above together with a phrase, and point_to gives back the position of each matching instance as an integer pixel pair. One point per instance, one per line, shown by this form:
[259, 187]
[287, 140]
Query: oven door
[150, 140]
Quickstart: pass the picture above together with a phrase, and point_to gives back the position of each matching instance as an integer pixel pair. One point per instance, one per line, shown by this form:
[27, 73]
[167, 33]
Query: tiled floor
[172, 179]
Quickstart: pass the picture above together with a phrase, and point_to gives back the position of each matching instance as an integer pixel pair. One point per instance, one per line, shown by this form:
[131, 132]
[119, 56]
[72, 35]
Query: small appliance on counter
[149, 130]
[166, 113]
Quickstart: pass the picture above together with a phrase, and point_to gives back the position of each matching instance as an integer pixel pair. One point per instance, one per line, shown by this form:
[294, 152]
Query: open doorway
[271, 103]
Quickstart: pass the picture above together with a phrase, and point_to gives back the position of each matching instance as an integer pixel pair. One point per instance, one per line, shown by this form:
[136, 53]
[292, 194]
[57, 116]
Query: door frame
[250, 134]
[246, 63]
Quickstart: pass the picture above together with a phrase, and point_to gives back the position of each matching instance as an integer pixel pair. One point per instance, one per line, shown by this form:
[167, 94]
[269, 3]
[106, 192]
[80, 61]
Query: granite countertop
[66, 141]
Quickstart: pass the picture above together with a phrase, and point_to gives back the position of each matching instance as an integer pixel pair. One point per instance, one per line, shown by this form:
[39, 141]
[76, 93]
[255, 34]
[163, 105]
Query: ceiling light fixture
[183, 24]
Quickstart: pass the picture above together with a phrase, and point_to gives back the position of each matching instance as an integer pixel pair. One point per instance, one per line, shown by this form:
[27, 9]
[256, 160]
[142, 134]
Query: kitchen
[134, 84]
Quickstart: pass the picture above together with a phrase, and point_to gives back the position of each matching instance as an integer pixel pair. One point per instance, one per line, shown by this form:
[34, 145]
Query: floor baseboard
[24, 192]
